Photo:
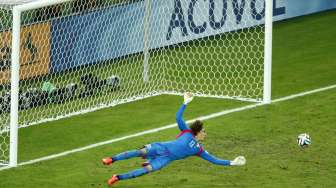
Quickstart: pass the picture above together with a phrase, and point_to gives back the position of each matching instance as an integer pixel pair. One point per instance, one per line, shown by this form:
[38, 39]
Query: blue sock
[127, 155]
[133, 174]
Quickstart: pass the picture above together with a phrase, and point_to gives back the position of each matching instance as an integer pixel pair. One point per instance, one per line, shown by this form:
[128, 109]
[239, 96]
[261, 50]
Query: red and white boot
[112, 180]
[107, 161]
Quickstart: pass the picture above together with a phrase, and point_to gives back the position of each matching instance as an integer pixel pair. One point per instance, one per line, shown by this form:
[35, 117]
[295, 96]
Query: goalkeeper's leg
[125, 155]
[153, 165]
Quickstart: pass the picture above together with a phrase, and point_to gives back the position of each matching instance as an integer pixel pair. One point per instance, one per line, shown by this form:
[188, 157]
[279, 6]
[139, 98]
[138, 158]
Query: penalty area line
[210, 116]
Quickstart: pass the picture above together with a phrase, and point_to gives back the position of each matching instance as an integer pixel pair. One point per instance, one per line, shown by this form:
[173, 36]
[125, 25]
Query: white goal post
[69, 57]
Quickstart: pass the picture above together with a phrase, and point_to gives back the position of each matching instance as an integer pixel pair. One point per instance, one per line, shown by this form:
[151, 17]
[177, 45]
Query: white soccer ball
[304, 140]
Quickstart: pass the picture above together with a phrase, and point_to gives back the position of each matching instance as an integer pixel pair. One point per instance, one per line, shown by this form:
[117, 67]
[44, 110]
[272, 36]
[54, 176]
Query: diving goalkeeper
[160, 154]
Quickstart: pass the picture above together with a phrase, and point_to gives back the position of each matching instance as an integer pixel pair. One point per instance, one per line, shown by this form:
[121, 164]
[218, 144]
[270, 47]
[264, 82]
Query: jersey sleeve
[206, 156]
[179, 118]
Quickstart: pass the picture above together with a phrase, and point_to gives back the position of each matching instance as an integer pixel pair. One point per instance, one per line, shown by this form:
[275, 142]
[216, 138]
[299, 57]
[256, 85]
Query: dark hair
[196, 127]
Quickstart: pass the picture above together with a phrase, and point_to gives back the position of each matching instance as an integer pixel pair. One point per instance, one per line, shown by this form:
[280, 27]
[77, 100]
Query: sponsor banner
[285, 9]
[96, 36]
[34, 52]
[119, 31]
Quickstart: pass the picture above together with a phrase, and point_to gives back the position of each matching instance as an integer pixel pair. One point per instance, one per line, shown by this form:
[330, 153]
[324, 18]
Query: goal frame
[15, 64]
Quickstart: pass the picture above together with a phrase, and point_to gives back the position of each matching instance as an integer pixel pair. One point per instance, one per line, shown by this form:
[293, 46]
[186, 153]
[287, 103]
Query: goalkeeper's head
[198, 130]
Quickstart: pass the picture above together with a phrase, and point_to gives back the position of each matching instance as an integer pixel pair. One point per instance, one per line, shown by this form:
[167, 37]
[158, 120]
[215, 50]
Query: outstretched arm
[179, 118]
[238, 161]
[179, 115]
[206, 156]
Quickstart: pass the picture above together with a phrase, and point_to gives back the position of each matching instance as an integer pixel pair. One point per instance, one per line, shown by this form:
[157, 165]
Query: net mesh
[5, 55]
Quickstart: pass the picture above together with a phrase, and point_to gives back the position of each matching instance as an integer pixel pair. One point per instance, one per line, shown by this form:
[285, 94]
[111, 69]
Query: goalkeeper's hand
[238, 161]
[188, 97]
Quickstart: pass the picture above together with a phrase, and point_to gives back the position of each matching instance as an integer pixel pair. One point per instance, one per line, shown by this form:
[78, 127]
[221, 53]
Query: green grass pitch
[304, 58]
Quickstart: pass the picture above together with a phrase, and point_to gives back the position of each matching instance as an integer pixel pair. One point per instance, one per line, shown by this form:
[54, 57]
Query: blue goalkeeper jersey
[186, 144]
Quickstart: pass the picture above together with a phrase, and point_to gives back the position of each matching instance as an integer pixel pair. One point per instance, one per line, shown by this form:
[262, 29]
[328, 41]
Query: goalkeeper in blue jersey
[160, 154]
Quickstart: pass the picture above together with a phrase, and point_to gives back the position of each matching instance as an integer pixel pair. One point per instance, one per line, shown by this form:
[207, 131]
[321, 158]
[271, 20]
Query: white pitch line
[214, 115]
[304, 93]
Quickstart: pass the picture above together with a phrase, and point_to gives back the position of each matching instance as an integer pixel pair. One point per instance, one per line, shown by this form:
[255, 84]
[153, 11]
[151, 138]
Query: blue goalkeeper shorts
[157, 156]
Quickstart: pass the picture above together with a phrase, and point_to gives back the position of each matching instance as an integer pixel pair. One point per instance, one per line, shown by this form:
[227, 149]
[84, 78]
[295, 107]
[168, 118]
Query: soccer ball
[304, 140]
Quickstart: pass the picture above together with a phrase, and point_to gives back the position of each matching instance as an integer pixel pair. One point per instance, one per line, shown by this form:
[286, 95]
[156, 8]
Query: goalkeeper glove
[238, 161]
[188, 97]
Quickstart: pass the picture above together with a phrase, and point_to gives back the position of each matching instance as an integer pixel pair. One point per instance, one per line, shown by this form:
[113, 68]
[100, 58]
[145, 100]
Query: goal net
[79, 56]
[5, 50]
